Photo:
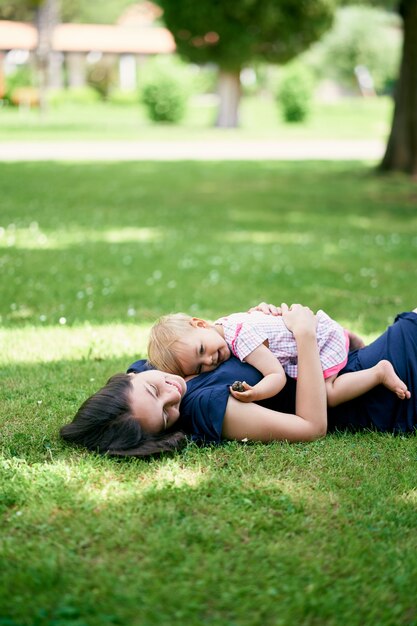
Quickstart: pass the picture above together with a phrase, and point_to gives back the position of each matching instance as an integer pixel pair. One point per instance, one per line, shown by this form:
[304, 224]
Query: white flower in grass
[131, 312]
[62, 321]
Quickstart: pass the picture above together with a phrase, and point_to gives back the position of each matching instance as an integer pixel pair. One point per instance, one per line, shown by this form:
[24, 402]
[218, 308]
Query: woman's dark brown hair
[104, 423]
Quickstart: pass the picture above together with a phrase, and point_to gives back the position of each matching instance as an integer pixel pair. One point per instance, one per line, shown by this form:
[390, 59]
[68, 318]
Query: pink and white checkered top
[244, 332]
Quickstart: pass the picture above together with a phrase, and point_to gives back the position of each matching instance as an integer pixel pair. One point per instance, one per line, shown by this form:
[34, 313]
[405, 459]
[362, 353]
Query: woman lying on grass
[148, 411]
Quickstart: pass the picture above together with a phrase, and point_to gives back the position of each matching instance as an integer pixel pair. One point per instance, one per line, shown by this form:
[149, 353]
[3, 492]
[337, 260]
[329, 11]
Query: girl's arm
[272, 371]
[250, 421]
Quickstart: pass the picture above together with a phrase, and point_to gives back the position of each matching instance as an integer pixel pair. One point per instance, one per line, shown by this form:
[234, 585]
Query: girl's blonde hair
[164, 335]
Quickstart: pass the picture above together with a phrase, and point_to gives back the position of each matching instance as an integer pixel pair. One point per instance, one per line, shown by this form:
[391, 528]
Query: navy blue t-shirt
[204, 404]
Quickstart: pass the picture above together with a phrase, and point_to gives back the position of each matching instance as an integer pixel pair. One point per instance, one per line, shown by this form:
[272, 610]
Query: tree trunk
[401, 152]
[47, 16]
[229, 94]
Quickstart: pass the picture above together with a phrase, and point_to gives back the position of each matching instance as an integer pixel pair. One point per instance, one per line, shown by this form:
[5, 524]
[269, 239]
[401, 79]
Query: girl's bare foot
[391, 381]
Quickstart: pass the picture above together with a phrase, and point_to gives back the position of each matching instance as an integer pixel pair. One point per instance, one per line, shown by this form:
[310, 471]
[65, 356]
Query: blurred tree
[46, 18]
[232, 34]
[401, 151]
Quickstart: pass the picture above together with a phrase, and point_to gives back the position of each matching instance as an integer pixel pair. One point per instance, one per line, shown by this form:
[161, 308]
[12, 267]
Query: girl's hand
[244, 396]
[268, 309]
[355, 342]
[299, 319]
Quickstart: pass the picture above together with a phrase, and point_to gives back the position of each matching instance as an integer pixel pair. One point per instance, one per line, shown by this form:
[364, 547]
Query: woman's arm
[257, 423]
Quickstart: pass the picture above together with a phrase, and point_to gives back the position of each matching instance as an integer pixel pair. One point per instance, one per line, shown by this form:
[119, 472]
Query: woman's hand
[268, 309]
[299, 319]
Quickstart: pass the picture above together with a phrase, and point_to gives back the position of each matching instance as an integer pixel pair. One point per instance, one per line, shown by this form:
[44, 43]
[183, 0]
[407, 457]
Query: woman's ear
[197, 322]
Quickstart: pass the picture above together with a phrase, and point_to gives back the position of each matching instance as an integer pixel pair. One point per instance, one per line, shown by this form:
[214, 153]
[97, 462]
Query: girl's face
[201, 349]
[155, 399]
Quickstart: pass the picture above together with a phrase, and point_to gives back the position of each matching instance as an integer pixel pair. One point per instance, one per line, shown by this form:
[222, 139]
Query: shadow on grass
[234, 534]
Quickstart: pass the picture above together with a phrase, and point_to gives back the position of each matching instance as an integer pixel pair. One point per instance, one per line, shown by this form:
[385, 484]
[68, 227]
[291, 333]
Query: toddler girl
[187, 346]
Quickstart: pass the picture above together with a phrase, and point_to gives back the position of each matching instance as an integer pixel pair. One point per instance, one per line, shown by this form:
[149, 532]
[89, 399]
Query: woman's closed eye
[164, 412]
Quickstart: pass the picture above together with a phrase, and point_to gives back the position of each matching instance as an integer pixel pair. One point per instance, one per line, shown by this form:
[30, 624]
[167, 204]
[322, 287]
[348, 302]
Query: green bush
[295, 93]
[21, 77]
[164, 99]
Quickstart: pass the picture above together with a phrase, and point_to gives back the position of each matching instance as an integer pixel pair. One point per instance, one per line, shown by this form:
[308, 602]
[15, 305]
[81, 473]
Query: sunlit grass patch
[32, 238]
[85, 342]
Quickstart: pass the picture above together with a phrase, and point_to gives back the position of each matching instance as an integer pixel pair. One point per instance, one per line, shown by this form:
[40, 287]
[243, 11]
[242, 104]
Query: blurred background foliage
[360, 36]
[351, 48]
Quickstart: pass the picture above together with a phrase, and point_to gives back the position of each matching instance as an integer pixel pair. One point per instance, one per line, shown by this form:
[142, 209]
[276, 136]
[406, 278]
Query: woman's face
[155, 399]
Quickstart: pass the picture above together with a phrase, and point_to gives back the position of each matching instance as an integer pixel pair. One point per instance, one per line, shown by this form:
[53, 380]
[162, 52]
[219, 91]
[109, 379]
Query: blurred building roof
[128, 38]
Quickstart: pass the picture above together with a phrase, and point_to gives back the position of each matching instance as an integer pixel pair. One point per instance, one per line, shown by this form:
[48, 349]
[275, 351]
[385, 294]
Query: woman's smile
[177, 386]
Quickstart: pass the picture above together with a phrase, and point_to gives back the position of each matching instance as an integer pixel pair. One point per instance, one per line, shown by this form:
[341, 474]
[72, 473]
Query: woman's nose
[171, 395]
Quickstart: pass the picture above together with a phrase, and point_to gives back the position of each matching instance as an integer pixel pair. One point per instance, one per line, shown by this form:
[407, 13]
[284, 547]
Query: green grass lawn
[318, 534]
[353, 118]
